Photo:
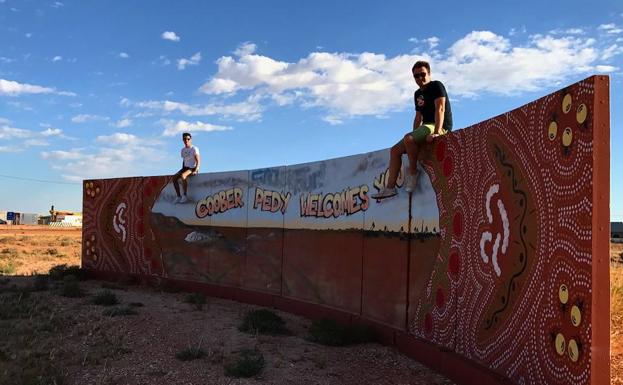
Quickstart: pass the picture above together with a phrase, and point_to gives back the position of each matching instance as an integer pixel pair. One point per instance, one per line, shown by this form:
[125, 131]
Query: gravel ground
[45, 335]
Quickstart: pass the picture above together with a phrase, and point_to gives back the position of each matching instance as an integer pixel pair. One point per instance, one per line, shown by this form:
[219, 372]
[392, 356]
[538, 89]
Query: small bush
[52, 251]
[249, 363]
[40, 283]
[105, 298]
[329, 332]
[263, 321]
[7, 268]
[71, 288]
[112, 286]
[190, 353]
[119, 311]
[59, 272]
[196, 299]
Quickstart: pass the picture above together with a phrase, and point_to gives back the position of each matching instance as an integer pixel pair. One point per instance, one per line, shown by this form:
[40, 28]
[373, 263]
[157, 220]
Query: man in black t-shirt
[433, 117]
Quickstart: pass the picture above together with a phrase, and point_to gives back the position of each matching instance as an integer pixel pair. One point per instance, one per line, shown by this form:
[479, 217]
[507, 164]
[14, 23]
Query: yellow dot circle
[88, 192]
[93, 249]
[552, 130]
[576, 316]
[93, 238]
[90, 184]
[88, 252]
[563, 293]
[574, 352]
[88, 243]
[580, 113]
[95, 257]
[566, 103]
[560, 344]
[93, 194]
[567, 137]
[97, 190]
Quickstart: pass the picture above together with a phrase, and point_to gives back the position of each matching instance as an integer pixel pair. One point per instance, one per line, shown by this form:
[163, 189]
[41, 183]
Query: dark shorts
[183, 169]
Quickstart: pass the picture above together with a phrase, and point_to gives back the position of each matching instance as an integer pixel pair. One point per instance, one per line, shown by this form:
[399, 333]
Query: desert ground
[49, 338]
[52, 332]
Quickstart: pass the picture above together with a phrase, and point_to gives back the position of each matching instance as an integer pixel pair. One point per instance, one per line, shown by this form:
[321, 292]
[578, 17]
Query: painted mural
[490, 258]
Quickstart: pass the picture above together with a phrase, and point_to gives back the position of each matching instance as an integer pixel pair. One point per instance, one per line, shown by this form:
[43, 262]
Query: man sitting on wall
[190, 166]
[433, 117]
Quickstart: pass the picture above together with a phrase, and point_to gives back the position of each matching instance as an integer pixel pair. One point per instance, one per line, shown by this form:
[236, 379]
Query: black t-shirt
[425, 103]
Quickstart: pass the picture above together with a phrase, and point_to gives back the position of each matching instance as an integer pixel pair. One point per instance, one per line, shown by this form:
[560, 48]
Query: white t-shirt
[188, 154]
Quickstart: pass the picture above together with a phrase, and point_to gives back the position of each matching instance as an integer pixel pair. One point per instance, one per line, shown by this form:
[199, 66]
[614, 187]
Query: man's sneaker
[183, 199]
[176, 200]
[386, 192]
[410, 182]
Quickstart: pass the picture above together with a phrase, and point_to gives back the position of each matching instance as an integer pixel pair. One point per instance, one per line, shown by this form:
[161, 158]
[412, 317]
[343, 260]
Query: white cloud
[193, 61]
[6, 60]
[610, 28]
[113, 156]
[13, 88]
[117, 138]
[7, 132]
[173, 128]
[57, 58]
[248, 110]
[83, 118]
[605, 68]
[170, 35]
[57, 4]
[355, 84]
[163, 61]
[246, 48]
[7, 149]
[611, 51]
[52, 132]
[124, 55]
[28, 35]
[123, 123]
[35, 142]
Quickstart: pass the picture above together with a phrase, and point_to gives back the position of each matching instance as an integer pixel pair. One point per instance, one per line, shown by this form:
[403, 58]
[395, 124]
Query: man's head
[187, 138]
[421, 72]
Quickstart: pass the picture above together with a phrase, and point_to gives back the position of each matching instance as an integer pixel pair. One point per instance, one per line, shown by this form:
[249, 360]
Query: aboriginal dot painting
[491, 258]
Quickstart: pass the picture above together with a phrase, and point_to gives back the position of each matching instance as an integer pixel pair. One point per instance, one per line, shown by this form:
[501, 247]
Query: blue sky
[92, 89]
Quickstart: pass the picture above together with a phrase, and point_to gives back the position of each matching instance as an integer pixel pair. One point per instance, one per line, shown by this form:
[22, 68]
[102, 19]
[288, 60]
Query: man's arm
[197, 162]
[417, 121]
[440, 110]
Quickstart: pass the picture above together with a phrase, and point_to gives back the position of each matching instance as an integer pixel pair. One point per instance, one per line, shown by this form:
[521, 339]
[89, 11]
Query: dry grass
[36, 250]
[616, 314]
[24, 252]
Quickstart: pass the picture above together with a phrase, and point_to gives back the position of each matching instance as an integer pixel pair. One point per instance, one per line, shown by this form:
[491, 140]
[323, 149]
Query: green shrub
[40, 283]
[105, 298]
[119, 311]
[263, 321]
[190, 353]
[7, 268]
[329, 332]
[249, 363]
[71, 288]
[58, 272]
[196, 299]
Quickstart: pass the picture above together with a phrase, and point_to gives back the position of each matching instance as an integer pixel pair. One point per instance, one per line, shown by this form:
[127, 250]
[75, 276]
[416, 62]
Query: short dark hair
[186, 134]
[419, 64]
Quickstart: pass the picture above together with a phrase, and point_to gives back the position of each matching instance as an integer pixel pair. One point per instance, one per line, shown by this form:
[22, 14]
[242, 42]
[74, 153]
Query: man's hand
[429, 138]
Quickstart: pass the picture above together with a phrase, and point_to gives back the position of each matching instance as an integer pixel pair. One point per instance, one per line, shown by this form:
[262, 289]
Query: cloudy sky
[92, 89]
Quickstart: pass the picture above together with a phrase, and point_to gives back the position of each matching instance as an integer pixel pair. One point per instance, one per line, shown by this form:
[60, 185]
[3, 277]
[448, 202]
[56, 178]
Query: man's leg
[184, 177]
[176, 178]
[412, 149]
[395, 161]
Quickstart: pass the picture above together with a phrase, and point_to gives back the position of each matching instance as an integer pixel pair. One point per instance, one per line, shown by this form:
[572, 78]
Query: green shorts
[421, 132]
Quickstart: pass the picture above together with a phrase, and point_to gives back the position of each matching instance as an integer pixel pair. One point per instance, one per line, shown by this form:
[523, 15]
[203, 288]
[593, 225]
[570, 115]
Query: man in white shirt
[190, 166]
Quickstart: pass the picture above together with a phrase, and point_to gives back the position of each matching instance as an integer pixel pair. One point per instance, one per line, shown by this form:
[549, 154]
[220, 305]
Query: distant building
[65, 218]
[616, 232]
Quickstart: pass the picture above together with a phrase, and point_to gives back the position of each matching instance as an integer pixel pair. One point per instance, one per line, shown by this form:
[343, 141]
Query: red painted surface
[520, 261]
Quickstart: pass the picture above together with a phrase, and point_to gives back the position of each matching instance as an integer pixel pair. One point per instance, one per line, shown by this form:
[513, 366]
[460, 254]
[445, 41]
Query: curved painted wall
[495, 270]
